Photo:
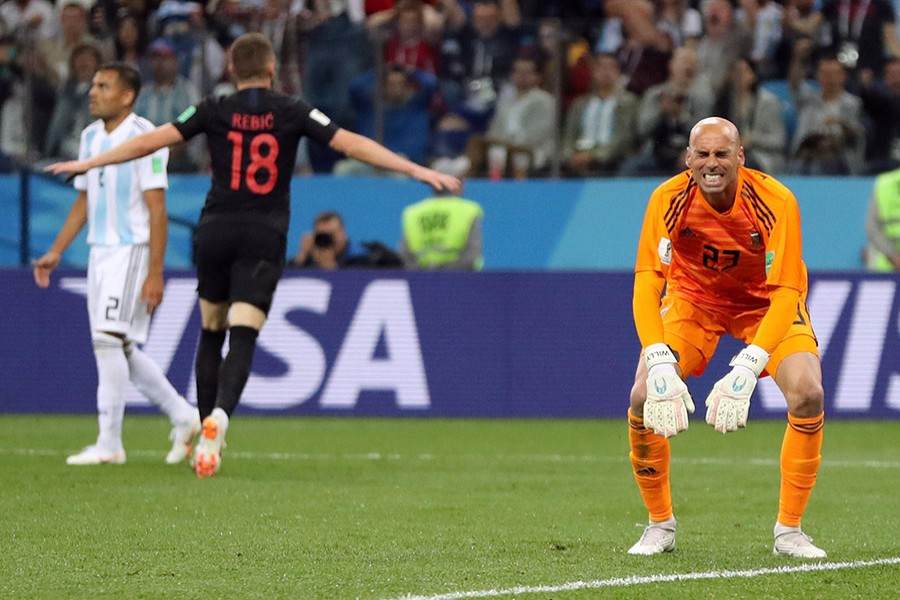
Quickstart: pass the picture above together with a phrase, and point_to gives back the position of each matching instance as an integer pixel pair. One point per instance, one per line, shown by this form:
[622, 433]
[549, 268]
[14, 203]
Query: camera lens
[324, 240]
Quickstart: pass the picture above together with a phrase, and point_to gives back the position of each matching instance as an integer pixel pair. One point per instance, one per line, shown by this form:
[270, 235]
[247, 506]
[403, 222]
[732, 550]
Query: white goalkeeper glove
[729, 401]
[668, 399]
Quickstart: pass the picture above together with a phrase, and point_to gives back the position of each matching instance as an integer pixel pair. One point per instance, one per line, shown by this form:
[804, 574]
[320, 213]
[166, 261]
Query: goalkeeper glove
[729, 401]
[668, 400]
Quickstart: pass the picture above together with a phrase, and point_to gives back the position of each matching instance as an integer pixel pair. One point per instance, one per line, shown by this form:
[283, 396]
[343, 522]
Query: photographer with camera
[327, 246]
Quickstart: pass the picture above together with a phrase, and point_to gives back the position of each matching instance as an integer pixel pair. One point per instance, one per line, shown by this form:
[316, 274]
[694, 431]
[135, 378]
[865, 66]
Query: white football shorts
[116, 275]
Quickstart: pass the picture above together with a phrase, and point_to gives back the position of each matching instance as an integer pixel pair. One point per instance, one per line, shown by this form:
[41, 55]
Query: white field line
[537, 458]
[661, 578]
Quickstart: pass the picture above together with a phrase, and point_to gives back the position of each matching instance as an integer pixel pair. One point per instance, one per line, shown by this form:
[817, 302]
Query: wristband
[659, 354]
[752, 357]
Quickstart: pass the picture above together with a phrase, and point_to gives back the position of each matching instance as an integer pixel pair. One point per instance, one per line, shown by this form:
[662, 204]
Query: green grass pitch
[378, 508]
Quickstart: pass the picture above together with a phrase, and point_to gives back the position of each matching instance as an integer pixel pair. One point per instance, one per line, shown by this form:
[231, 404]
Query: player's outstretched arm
[668, 399]
[369, 151]
[73, 224]
[728, 404]
[136, 147]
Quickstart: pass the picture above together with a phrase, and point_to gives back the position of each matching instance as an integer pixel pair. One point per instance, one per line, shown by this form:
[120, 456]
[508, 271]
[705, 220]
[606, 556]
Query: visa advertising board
[500, 344]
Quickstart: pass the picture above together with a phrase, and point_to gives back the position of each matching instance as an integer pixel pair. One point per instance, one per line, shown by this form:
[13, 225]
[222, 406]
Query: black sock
[206, 367]
[235, 368]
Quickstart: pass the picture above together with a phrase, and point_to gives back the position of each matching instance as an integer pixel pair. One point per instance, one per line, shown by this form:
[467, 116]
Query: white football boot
[182, 436]
[95, 455]
[207, 457]
[790, 541]
[656, 539]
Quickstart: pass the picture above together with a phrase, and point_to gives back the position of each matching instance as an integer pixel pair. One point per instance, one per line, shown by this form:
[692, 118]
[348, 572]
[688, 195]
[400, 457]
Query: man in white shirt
[27, 18]
[124, 208]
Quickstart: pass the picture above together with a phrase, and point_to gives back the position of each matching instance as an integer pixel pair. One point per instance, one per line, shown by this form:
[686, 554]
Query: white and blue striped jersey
[117, 213]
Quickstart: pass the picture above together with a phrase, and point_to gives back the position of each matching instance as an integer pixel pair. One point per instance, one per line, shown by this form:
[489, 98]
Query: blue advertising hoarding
[497, 344]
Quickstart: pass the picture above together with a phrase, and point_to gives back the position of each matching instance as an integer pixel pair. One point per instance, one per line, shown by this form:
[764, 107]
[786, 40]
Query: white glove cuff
[658, 354]
[753, 358]
[662, 369]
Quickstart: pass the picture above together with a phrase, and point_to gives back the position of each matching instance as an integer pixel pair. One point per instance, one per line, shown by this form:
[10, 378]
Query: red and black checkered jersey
[252, 136]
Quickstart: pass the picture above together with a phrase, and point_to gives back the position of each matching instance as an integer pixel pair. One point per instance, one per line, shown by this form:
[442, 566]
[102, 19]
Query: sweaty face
[108, 99]
[714, 158]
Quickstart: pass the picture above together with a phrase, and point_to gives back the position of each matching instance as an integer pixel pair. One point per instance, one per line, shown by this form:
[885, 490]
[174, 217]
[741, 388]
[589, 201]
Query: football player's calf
[668, 399]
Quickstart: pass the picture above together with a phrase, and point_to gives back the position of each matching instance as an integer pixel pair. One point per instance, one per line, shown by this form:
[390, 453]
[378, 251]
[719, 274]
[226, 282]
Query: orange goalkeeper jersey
[725, 262]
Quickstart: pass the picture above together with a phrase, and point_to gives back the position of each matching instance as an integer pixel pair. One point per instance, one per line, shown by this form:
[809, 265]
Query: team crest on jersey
[319, 117]
[755, 239]
[770, 258]
[665, 251]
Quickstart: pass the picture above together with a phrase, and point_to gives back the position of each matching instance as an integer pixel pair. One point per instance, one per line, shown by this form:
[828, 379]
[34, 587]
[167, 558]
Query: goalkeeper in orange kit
[725, 243]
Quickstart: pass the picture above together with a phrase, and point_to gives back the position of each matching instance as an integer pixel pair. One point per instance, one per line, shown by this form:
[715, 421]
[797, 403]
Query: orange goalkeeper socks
[650, 456]
[800, 458]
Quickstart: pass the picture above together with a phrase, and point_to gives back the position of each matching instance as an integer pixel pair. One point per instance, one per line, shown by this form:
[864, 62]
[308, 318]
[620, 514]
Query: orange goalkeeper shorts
[694, 332]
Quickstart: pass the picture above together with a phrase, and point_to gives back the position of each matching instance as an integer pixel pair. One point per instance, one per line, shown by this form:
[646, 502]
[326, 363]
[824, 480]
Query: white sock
[221, 418]
[667, 524]
[149, 379]
[112, 374]
[781, 529]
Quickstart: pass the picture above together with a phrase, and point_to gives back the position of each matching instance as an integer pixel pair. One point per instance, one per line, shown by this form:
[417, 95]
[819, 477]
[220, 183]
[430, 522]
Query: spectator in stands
[165, 96]
[131, 44]
[567, 60]
[801, 19]
[201, 58]
[523, 126]
[600, 127]
[72, 112]
[402, 29]
[27, 99]
[233, 18]
[335, 50]
[282, 32]
[724, 41]
[572, 11]
[475, 60]
[28, 20]
[646, 46]
[758, 115]
[73, 30]
[881, 103]
[763, 18]
[442, 233]
[405, 100]
[329, 247]
[666, 114]
[861, 33]
[682, 19]
[438, 16]
[478, 57]
[883, 224]
[830, 138]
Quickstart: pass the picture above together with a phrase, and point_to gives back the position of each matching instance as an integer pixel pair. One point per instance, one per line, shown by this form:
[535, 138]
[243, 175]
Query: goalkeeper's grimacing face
[714, 157]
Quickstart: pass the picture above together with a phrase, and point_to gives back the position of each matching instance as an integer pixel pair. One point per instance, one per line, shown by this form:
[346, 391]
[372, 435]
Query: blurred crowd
[487, 88]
